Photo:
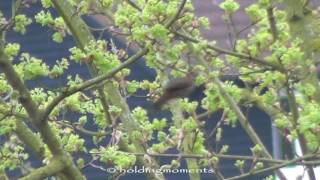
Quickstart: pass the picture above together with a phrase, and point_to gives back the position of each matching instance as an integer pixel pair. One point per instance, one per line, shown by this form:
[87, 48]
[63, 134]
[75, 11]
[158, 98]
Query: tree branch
[275, 167]
[55, 166]
[89, 83]
[48, 136]
[235, 54]
[230, 157]
[245, 123]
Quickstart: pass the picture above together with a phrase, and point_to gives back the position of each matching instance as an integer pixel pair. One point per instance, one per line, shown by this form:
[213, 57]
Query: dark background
[38, 43]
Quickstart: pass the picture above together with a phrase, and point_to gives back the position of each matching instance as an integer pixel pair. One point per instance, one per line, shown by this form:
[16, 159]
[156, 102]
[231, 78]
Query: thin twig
[278, 166]
[234, 157]
[255, 60]
[223, 116]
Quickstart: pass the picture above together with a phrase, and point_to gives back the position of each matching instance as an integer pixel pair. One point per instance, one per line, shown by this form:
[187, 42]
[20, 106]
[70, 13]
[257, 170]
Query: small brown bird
[176, 88]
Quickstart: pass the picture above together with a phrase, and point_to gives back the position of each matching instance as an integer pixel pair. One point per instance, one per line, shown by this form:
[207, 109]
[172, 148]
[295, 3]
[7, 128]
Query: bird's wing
[178, 83]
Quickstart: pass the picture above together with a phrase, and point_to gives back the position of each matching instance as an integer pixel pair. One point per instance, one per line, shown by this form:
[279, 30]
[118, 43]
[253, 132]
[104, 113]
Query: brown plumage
[176, 88]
